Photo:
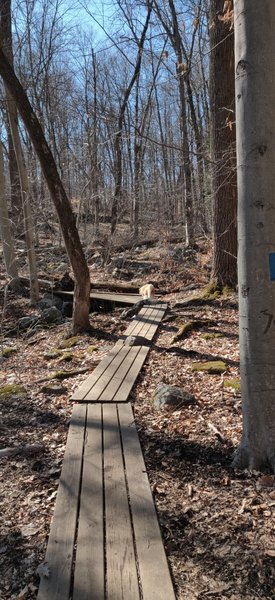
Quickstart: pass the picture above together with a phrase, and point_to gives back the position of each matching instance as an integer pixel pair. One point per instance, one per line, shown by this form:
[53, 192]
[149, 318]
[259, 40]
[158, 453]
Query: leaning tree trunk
[58, 194]
[223, 148]
[255, 114]
[5, 228]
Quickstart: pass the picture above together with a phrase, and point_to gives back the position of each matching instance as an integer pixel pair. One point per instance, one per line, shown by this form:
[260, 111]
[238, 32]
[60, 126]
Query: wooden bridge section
[108, 297]
[105, 542]
[114, 377]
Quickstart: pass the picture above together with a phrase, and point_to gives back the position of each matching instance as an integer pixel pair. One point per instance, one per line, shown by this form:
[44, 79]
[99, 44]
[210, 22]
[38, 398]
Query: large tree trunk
[255, 113]
[58, 194]
[223, 148]
[7, 241]
[15, 192]
[6, 33]
[6, 40]
[186, 163]
[173, 31]
[25, 195]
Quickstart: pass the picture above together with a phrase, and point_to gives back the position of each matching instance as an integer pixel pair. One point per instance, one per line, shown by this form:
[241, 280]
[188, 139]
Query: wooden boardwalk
[105, 542]
[114, 377]
[126, 299]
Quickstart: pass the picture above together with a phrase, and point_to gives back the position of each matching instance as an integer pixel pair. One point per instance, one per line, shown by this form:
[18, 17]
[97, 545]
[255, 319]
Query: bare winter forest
[120, 145]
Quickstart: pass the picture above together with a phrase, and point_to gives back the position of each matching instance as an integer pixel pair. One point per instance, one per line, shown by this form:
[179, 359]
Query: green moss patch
[211, 291]
[227, 291]
[215, 367]
[211, 336]
[12, 389]
[64, 374]
[55, 353]
[92, 349]
[6, 352]
[66, 356]
[187, 327]
[69, 342]
[233, 383]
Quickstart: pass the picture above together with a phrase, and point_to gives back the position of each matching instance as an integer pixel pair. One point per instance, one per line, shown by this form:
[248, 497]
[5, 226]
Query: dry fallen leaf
[241, 510]
[28, 530]
[266, 481]
[270, 552]
[23, 593]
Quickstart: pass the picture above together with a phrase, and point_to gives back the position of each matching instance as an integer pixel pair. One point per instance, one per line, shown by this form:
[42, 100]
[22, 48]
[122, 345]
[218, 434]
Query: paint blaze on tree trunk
[255, 114]
[223, 148]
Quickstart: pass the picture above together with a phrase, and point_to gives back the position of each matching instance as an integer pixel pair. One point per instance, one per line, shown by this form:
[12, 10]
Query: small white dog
[147, 291]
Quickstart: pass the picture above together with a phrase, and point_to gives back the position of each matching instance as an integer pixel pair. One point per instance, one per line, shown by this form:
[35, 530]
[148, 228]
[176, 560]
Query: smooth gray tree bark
[5, 227]
[255, 114]
[5, 26]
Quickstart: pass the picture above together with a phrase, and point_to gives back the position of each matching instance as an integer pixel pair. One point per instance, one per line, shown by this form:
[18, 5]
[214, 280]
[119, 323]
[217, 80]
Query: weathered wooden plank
[59, 554]
[150, 327]
[153, 568]
[129, 380]
[94, 394]
[107, 296]
[153, 325]
[147, 321]
[137, 323]
[83, 389]
[112, 377]
[121, 576]
[89, 575]
[115, 382]
[122, 298]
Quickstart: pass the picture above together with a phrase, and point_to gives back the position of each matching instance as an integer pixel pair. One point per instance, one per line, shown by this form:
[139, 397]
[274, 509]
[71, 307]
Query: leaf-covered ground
[218, 524]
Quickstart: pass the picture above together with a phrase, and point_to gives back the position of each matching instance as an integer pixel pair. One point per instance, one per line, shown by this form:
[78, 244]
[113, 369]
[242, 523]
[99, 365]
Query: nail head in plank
[89, 565]
[59, 554]
[153, 567]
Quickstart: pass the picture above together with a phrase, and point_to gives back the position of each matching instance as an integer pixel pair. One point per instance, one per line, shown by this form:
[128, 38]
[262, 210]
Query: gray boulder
[26, 322]
[51, 315]
[48, 301]
[171, 397]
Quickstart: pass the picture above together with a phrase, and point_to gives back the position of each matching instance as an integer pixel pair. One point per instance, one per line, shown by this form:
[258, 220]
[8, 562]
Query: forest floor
[217, 523]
